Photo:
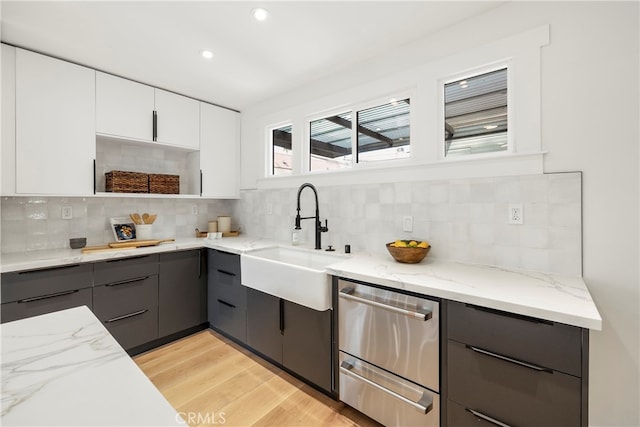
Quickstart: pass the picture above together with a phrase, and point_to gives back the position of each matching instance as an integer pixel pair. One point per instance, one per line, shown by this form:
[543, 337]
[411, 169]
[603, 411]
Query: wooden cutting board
[118, 246]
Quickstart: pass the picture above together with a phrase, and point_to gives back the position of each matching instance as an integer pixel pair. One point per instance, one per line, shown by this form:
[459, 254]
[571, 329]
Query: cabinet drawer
[116, 270]
[552, 345]
[29, 284]
[510, 392]
[43, 304]
[129, 310]
[228, 318]
[224, 261]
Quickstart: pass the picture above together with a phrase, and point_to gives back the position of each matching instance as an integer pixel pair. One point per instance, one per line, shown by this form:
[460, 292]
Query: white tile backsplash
[464, 220]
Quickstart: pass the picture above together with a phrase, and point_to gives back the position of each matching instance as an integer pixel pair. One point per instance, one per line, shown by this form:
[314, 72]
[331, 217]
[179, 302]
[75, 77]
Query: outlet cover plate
[407, 223]
[516, 214]
[67, 212]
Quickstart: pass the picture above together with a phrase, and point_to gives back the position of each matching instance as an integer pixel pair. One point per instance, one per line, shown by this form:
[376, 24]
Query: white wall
[589, 117]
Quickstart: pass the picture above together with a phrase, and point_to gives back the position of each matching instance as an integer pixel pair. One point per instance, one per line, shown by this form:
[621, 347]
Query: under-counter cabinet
[227, 297]
[133, 110]
[297, 337]
[55, 126]
[31, 293]
[125, 298]
[182, 300]
[511, 370]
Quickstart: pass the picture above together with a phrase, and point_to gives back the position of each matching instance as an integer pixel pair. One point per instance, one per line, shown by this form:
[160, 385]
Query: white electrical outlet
[407, 223]
[194, 209]
[67, 212]
[516, 214]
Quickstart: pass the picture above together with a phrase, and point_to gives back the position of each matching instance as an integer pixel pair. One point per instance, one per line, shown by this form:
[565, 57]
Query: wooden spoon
[135, 217]
[151, 218]
[145, 218]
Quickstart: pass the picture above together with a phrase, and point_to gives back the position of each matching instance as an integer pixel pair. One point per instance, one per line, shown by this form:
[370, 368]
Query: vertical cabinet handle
[281, 316]
[94, 176]
[155, 125]
[200, 182]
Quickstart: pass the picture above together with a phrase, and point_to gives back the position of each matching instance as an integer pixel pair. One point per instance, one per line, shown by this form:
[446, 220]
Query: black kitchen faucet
[319, 227]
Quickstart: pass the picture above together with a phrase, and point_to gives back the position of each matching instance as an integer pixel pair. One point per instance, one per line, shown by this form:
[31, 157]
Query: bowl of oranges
[408, 251]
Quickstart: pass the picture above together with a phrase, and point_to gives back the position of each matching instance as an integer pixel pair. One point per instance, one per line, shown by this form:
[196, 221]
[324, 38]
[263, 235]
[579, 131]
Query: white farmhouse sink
[297, 275]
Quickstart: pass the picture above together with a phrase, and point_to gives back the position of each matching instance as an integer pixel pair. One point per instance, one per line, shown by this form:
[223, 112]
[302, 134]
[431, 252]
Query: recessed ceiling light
[206, 54]
[260, 14]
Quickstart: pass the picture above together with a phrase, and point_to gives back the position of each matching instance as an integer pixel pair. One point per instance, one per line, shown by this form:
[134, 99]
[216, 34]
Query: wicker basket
[164, 184]
[126, 182]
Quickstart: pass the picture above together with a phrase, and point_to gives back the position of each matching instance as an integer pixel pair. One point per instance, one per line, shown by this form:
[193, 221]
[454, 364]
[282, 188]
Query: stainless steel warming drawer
[389, 362]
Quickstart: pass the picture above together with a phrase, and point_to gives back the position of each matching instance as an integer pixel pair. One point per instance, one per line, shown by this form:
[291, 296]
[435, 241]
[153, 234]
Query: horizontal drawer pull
[226, 303]
[487, 418]
[512, 315]
[44, 270]
[228, 273]
[124, 282]
[423, 405]
[127, 258]
[126, 316]
[509, 359]
[59, 294]
[347, 293]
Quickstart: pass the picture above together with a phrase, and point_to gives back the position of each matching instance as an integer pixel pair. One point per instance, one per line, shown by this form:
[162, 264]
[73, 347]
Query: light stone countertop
[546, 296]
[65, 369]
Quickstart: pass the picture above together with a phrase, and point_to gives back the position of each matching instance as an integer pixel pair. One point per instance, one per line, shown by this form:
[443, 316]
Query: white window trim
[268, 148]
[521, 54]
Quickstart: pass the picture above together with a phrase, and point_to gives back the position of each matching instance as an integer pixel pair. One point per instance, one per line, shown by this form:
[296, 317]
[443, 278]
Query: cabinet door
[55, 126]
[219, 151]
[307, 343]
[8, 154]
[178, 120]
[264, 314]
[123, 107]
[180, 293]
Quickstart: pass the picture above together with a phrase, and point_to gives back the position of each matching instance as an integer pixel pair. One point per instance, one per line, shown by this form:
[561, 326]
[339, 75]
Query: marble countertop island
[65, 369]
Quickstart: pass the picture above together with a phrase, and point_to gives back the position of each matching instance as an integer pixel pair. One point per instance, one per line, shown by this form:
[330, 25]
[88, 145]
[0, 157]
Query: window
[330, 143]
[383, 132]
[281, 160]
[476, 114]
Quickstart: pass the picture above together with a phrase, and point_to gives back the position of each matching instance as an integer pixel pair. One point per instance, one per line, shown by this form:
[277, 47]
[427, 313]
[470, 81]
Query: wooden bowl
[408, 255]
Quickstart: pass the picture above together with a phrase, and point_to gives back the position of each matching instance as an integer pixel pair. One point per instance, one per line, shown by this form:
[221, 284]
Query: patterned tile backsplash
[35, 223]
[464, 220]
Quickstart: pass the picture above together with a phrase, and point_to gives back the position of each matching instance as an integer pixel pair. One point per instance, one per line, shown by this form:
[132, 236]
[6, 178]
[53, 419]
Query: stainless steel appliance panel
[394, 331]
[385, 397]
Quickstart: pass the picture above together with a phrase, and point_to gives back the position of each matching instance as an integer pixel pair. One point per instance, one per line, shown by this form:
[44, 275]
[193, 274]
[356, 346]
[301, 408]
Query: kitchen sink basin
[294, 274]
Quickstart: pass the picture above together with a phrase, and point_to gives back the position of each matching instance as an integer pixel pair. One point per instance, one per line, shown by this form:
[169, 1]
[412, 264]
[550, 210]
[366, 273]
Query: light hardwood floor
[211, 380]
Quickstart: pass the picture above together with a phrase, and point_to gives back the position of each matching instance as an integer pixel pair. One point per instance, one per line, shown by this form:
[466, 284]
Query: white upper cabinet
[55, 126]
[219, 152]
[124, 108]
[8, 147]
[178, 121]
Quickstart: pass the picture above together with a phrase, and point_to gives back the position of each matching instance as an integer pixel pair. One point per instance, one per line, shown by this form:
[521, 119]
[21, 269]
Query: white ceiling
[158, 42]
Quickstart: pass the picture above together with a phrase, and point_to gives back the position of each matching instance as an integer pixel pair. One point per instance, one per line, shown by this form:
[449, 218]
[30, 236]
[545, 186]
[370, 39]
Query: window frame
[270, 149]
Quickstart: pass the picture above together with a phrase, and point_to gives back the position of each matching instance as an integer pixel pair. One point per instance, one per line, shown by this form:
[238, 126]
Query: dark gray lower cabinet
[514, 370]
[182, 291]
[125, 299]
[226, 296]
[297, 337]
[31, 293]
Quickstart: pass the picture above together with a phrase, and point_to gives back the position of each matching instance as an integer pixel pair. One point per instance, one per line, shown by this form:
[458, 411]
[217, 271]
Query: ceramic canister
[213, 226]
[224, 224]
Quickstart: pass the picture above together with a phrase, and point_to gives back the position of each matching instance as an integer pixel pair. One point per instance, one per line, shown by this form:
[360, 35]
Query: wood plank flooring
[211, 380]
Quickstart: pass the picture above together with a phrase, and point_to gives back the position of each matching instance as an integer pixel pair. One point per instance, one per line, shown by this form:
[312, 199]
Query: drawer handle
[347, 293]
[59, 294]
[127, 258]
[124, 282]
[126, 316]
[62, 267]
[226, 303]
[487, 418]
[508, 359]
[228, 273]
[423, 405]
[512, 315]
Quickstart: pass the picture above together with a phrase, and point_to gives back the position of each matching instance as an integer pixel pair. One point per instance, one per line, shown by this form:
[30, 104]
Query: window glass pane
[330, 143]
[383, 132]
[476, 114]
[281, 150]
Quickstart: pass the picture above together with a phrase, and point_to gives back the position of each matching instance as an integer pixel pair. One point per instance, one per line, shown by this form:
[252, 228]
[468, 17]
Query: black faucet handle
[324, 228]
